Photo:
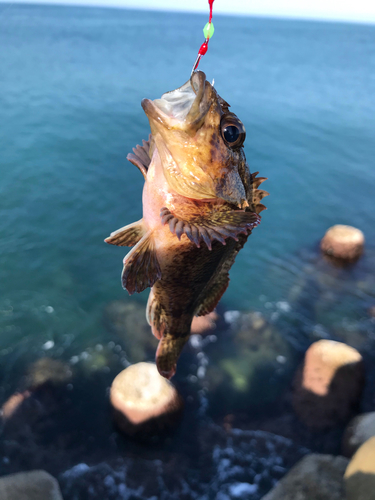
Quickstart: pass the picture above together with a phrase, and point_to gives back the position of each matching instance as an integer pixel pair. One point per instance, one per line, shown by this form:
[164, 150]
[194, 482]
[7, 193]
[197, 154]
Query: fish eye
[232, 130]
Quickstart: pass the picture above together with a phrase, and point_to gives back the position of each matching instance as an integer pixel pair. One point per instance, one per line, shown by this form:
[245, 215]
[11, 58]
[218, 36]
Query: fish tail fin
[141, 266]
[127, 236]
[168, 352]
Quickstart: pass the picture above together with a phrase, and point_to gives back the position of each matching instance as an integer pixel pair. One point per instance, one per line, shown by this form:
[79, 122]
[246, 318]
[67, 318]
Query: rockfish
[200, 204]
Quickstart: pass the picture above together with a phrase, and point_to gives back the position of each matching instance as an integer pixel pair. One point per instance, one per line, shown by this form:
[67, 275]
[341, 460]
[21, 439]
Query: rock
[47, 370]
[359, 430]
[252, 355]
[204, 324]
[360, 473]
[371, 311]
[10, 406]
[343, 242]
[34, 485]
[44, 374]
[128, 321]
[315, 477]
[328, 386]
[144, 401]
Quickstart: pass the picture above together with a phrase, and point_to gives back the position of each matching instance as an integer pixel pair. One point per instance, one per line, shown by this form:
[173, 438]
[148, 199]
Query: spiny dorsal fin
[140, 156]
[127, 236]
[141, 266]
[259, 208]
[257, 194]
[219, 226]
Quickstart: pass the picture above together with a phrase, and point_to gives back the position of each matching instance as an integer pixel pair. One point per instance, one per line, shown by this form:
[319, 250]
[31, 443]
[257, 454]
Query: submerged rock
[359, 430]
[33, 485]
[127, 320]
[327, 388]
[315, 477]
[143, 400]
[202, 325]
[12, 405]
[250, 364]
[343, 242]
[48, 371]
[360, 473]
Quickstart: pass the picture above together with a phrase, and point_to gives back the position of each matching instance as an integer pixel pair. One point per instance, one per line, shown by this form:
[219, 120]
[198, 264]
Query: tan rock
[48, 370]
[328, 386]
[143, 400]
[343, 242]
[10, 406]
[33, 485]
[359, 430]
[315, 477]
[127, 320]
[204, 324]
[360, 473]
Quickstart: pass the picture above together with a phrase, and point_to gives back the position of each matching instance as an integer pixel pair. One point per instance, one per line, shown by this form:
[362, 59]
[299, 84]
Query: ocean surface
[71, 83]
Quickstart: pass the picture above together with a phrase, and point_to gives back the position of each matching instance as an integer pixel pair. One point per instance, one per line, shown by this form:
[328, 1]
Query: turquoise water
[70, 89]
[71, 83]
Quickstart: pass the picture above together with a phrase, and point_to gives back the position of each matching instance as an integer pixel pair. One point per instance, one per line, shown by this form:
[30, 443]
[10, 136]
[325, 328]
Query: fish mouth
[184, 108]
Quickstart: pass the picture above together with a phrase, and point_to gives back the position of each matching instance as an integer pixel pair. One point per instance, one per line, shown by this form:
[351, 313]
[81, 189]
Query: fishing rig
[208, 31]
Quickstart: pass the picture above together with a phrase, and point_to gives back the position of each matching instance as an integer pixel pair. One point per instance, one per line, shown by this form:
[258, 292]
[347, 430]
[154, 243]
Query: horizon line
[257, 14]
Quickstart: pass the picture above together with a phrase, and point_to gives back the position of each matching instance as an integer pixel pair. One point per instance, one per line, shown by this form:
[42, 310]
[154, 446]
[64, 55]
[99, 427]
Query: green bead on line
[208, 30]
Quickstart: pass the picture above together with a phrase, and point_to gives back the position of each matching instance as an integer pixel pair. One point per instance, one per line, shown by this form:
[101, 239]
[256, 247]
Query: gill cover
[198, 162]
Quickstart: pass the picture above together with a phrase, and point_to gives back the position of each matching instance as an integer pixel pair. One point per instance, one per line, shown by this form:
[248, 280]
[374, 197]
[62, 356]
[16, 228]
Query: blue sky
[353, 10]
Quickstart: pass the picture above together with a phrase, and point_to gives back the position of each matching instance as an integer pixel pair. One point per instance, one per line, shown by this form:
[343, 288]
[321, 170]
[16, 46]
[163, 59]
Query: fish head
[199, 142]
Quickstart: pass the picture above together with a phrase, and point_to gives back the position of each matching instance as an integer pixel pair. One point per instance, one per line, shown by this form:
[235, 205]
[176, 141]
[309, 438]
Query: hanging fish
[200, 204]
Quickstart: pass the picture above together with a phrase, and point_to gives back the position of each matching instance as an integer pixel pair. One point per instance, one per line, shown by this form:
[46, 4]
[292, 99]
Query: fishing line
[208, 31]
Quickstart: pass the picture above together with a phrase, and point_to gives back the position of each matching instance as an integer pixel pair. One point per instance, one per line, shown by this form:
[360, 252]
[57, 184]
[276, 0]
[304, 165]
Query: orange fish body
[200, 204]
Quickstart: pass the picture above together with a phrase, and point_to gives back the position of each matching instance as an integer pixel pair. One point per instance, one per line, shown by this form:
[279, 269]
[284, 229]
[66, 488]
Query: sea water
[71, 83]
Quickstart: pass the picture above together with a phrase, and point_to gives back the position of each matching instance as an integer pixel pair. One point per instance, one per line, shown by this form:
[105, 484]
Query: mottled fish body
[200, 204]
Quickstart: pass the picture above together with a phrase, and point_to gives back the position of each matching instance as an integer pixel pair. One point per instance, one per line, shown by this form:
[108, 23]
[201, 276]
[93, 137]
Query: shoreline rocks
[315, 477]
[33, 485]
[203, 325]
[344, 243]
[143, 401]
[328, 387]
[359, 430]
[360, 473]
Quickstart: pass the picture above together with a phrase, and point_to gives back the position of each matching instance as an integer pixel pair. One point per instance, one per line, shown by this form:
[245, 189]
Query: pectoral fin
[127, 236]
[141, 266]
[217, 226]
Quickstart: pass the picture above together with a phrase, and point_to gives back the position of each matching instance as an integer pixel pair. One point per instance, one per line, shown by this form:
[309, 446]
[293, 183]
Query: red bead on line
[203, 48]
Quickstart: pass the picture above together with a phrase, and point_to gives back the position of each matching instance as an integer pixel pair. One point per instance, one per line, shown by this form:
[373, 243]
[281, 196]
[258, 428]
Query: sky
[347, 10]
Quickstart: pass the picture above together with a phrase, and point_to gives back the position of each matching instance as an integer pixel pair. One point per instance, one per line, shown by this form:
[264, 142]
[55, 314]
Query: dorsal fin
[140, 156]
[257, 194]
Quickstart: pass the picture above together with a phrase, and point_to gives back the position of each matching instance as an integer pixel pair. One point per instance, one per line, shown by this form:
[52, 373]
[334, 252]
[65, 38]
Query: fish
[200, 204]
